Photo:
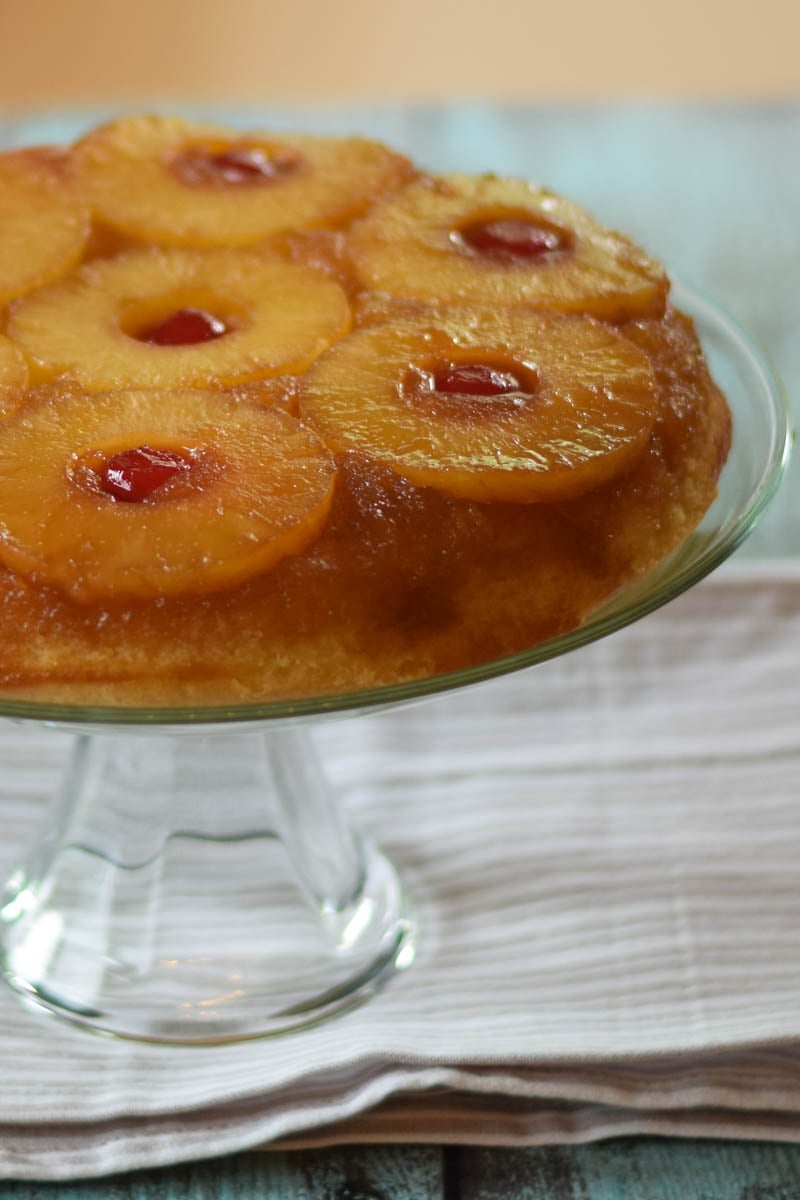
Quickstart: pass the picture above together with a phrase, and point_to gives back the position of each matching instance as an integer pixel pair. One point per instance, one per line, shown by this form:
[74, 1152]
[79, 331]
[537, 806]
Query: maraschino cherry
[134, 475]
[475, 379]
[186, 327]
[237, 165]
[511, 238]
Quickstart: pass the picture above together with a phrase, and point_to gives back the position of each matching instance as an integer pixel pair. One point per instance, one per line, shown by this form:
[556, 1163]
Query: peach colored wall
[284, 50]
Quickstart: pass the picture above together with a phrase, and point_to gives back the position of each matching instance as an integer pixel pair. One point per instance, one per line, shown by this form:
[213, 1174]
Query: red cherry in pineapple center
[134, 475]
[515, 238]
[476, 379]
[186, 327]
[237, 165]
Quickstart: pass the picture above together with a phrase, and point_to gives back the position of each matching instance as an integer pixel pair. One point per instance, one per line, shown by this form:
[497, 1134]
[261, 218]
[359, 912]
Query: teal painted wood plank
[633, 1169]
[624, 1169]
[357, 1173]
[344, 1173]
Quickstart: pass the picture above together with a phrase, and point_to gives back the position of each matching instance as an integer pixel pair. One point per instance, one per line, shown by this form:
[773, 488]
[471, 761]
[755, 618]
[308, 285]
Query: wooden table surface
[716, 191]
[622, 1169]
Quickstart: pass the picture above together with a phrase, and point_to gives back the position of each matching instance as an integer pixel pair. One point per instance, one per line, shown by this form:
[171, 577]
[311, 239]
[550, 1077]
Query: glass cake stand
[197, 881]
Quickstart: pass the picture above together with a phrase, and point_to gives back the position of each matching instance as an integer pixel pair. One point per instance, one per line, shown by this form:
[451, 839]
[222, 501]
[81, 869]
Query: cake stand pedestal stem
[201, 888]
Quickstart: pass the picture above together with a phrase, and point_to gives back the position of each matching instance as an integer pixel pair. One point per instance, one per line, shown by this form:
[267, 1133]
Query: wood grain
[346, 1173]
[624, 1169]
[634, 1169]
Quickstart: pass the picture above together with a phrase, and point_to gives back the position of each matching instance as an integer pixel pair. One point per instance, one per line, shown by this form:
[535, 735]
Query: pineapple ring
[262, 491]
[13, 377]
[44, 225]
[128, 169]
[410, 247]
[588, 406]
[280, 316]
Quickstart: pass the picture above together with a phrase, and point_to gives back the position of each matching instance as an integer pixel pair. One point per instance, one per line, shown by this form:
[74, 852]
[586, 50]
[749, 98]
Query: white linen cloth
[604, 854]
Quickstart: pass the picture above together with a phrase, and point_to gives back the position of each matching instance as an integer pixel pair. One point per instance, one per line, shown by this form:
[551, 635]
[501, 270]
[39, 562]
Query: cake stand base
[201, 889]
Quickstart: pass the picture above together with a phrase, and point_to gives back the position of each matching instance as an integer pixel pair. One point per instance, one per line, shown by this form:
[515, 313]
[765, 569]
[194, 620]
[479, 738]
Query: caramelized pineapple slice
[489, 241]
[167, 181]
[13, 377]
[513, 406]
[179, 318]
[142, 494]
[44, 224]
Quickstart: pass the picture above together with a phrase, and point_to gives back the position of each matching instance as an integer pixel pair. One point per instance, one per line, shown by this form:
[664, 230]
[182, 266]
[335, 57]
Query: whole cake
[285, 416]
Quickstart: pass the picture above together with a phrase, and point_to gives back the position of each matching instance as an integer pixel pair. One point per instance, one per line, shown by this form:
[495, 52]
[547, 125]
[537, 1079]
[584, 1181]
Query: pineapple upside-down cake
[284, 416]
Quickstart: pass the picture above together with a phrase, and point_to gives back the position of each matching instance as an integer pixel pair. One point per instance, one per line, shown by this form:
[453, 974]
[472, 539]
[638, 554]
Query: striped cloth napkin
[604, 856]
